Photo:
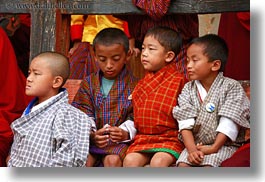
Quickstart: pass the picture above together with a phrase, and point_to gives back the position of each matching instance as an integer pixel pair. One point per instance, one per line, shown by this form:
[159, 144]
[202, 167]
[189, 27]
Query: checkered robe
[230, 101]
[153, 100]
[113, 110]
[54, 135]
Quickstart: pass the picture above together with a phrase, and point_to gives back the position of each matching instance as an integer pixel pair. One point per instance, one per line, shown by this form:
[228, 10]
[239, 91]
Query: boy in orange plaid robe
[154, 97]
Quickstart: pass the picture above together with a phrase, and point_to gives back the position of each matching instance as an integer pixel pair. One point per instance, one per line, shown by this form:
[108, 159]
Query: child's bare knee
[128, 161]
[112, 161]
[158, 162]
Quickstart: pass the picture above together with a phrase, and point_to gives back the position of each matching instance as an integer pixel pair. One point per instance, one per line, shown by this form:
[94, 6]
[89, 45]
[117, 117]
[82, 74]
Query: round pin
[210, 107]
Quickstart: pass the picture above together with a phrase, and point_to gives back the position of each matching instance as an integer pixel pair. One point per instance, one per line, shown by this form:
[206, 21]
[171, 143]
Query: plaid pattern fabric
[82, 62]
[230, 101]
[181, 61]
[55, 135]
[153, 101]
[113, 110]
[154, 8]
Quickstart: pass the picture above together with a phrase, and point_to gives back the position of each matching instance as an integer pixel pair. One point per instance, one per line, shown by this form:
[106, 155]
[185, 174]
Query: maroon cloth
[156, 9]
[186, 24]
[12, 94]
[241, 158]
[235, 29]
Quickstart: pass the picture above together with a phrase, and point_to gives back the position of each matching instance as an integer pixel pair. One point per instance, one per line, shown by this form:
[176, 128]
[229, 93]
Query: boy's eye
[152, 48]
[101, 59]
[116, 58]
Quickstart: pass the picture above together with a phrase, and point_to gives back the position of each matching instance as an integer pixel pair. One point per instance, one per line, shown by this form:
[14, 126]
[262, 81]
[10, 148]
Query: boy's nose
[143, 53]
[189, 64]
[29, 77]
[109, 64]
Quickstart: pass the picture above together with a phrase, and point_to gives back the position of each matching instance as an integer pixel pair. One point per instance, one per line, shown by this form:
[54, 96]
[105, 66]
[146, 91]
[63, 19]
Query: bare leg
[90, 161]
[136, 159]
[112, 161]
[162, 159]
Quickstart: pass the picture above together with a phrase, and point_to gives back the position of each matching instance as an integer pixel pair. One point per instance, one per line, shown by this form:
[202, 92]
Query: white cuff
[129, 127]
[186, 124]
[228, 127]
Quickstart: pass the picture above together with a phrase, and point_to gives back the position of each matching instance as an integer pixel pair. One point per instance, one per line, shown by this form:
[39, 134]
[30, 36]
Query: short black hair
[215, 48]
[109, 36]
[170, 39]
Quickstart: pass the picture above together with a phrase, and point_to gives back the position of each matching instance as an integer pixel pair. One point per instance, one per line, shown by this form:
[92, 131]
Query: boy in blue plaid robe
[51, 132]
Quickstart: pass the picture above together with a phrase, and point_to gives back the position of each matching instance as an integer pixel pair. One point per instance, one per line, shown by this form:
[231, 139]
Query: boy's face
[198, 66]
[111, 59]
[40, 79]
[153, 55]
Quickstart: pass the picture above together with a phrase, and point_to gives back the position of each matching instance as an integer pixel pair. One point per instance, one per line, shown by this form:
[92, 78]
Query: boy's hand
[117, 134]
[7, 159]
[205, 149]
[101, 137]
[135, 51]
[195, 157]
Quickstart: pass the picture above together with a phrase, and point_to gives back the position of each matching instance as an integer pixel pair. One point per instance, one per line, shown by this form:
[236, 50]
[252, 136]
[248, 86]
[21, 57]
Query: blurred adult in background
[12, 84]
[21, 43]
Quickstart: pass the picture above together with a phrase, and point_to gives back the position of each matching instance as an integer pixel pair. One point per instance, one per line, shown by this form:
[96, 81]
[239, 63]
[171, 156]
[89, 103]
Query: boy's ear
[170, 56]
[57, 82]
[129, 55]
[216, 65]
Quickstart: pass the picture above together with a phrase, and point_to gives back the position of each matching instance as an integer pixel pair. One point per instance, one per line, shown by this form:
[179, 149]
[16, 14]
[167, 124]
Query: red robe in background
[235, 29]
[12, 94]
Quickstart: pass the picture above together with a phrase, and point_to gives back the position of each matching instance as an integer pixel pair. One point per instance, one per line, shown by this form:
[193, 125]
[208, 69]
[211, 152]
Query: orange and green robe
[153, 100]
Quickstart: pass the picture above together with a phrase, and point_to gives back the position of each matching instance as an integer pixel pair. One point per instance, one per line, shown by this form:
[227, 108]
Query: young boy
[213, 111]
[104, 95]
[50, 132]
[154, 97]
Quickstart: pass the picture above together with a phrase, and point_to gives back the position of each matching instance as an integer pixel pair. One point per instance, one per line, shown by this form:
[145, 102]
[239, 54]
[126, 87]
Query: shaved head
[58, 64]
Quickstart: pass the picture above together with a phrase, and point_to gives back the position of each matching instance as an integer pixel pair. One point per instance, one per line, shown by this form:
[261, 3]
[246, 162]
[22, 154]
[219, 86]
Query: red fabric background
[12, 94]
